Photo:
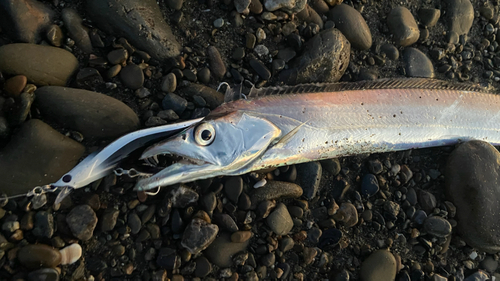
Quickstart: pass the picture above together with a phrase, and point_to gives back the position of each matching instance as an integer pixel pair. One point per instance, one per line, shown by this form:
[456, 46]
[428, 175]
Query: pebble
[427, 201]
[417, 64]
[233, 188]
[380, 265]
[134, 222]
[169, 83]
[472, 184]
[198, 235]
[259, 67]
[93, 114]
[42, 65]
[204, 75]
[182, 196]
[309, 15]
[226, 222]
[352, 24]
[175, 4]
[289, 6]
[168, 115]
[71, 254]
[429, 16]
[203, 267]
[369, 185]
[222, 251]
[25, 20]
[54, 35]
[437, 226]
[309, 175]
[211, 96]
[242, 6]
[44, 225]
[256, 7]
[279, 220]
[145, 27]
[77, 32]
[275, 190]
[175, 103]
[460, 14]
[15, 85]
[217, 66]
[325, 59]
[403, 26]
[118, 56]
[132, 76]
[36, 256]
[347, 214]
[21, 171]
[82, 221]
[241, 236]
[44, 274]
[390, 50]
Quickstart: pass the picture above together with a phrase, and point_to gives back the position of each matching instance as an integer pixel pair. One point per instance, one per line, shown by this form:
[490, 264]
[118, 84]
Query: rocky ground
[74, 75]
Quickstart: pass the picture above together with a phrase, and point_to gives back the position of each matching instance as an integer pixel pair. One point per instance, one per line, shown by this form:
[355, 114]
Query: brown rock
[15, 85]
[38, 255]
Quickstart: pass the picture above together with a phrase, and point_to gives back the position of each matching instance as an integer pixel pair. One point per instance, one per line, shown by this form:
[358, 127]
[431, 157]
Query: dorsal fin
[390, 83]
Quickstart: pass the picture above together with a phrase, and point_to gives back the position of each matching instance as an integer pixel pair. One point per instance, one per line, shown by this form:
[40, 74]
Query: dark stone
[142, 23]
[260, 69]
[217, 66]
[38, 256]
[369, 185]
[132, 76]
[309, 176]
[82, 221]
[437, 226]
[211, 96]
[460, 14]
[417, 64]
[108, 219]
[275, 190]
[222, 251]
[28, 159]
[329, 238]
[203, 267]
[44, 274]
[93, 114]
[44, 225]
[233, 188]
[403, 26]
[429, 16]
[350, 22]
[174, 102]
[198, 235]
[226, 222]
[73, 23]
[390, 51]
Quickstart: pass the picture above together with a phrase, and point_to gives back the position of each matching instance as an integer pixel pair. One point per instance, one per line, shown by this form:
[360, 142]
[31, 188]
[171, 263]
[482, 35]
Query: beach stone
[182, 196]
[203, 267]
[118, 56]
[35, 256]
[77, 32]
[437, 226]
[55, 35]
[42, 65]
[134, 222]
[242, 6]
[226, 222]
[93, 114]
[175, 102]
[390, 51]
[403, 26]
[352, 24]
[460, 14]
[25, 20]
[417, 64]
[82, 221]
[279, 220]
[256, 7]
[309, 175]
[325, 59]
[15, 85]
[233, 188]
[222, 251]
[473, 186]
[369, 185]
[217, 66]
[198, 235]
[380, 265]
[289, 6]
[429, 16]
[347, 214]
[108, 219]
[132, 76]
[44, 225]
[260, 68]
[275, 190]
[169, 83]
[28, 159]
[309, 15]
[211, 96]
[142, 23]
[175, 4]
[241, 236]
[44, 274]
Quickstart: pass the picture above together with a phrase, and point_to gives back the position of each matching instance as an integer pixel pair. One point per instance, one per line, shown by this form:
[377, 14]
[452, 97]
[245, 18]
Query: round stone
[279, 220]
[38, 255]
[15, 85]
[403, 26]
[350, 22]
[380, 265]
[132, 76]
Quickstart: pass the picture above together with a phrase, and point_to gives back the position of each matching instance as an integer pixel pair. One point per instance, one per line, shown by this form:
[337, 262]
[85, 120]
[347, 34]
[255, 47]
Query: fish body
[315, 122]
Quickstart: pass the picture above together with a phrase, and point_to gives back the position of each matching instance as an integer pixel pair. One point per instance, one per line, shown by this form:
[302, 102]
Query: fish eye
[204, 134]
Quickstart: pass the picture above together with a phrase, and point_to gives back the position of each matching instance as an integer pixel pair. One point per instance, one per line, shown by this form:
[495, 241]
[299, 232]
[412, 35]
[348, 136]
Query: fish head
[216, 146]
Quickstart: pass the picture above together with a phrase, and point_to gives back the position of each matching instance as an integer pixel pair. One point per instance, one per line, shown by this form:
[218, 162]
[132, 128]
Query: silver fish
[289, 125]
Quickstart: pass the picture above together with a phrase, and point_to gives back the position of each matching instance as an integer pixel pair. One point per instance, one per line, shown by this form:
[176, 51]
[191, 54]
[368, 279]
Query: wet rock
[460, 14]
[44, 225]
[42, 65]
[417, 64]
[182, 196]
[309, 175]
[217, 66]
[472, 185]
[44, 274]
[350, 22]
[25, 20]
[93, 114]
[132, 76]
[429, 16]
[369, 185]
[437, 226]
[259, 67]
[175, 102]
[275, 190]
[142, 23]
[325, 59]
[38, 255]
[289, 6]
[198, 235]
[380, 265]
[222, 251]
[73, 23]
[28, 159]
[211, 96]
[403, 26]
[82, 221]
[279, 220]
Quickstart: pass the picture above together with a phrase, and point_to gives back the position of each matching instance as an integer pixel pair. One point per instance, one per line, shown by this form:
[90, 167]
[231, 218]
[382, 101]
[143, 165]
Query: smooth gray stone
[36, 155]
[93, 114]
[73, 23]
[380, 265]
[141, 22]
[352, 24]
[42, 65]
[417, 64]
[222, 250]
[460, 14]
[403, 26]
[25, 20]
